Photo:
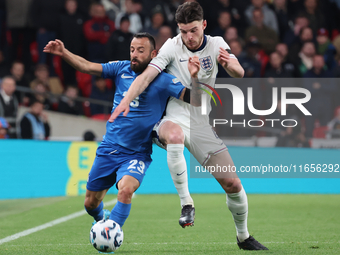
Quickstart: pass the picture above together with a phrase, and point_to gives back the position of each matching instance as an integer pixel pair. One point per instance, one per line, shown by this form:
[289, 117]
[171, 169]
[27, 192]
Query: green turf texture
[286, 224]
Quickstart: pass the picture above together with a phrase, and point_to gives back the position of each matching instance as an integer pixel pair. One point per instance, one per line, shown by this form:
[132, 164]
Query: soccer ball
[106, 236]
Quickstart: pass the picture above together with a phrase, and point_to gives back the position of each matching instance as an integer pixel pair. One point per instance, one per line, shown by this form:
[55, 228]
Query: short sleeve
[221, 43]
[175, 87]
[165, 56]
[111, 69]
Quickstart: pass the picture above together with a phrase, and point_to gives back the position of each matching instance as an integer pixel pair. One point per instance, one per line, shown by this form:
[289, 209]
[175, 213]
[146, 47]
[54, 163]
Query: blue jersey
[134, 130]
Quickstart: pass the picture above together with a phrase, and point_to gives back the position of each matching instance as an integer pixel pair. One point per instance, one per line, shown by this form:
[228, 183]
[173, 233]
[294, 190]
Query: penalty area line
[50, 224]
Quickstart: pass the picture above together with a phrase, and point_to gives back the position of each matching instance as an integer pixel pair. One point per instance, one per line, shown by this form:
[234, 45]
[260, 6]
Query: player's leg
[172, 136]
[130, 175]
[94, 204]
[126, 187]
[236, 199]
[101, 177]
[210, 152]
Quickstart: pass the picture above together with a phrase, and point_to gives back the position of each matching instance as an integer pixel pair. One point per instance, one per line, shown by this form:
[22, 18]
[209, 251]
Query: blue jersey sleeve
[175, 87]
[111, 69]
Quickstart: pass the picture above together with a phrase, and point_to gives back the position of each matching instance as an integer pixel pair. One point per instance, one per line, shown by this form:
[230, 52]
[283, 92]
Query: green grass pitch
[286, 224]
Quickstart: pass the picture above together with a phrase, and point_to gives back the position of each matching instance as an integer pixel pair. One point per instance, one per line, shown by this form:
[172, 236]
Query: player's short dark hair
[189, 12]
[146, 35]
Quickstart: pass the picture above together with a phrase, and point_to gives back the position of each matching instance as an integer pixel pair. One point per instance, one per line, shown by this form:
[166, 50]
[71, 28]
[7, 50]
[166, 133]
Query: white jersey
[173, 56]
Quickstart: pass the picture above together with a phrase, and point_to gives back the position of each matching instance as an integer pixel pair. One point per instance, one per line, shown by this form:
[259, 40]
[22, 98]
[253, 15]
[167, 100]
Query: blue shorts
[112, 162]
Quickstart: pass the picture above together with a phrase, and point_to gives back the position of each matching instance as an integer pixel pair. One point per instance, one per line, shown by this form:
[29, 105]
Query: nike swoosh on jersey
[182, 60]
[126, 77]
[131, 171]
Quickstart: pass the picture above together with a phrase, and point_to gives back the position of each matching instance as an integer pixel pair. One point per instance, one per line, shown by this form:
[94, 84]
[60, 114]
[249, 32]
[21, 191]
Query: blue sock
[120, 213]
[97, 213]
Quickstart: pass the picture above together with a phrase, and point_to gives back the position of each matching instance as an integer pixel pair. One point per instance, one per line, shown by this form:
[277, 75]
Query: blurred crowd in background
[270, 38]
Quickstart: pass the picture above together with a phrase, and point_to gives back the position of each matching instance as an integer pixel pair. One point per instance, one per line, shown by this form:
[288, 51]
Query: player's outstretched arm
[137, 87]
[193, 95]
[231, 65]
[57, 47]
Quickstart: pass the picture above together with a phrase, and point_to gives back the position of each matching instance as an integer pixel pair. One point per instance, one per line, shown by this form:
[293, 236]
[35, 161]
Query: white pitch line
[49, 224]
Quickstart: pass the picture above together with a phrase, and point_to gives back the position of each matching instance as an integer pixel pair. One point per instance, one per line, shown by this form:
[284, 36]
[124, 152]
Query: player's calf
[126, 187]
[94, 205]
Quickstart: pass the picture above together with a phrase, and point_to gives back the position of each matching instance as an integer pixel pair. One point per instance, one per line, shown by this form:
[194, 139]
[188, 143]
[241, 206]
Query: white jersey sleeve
[165, 56]
[219, 42]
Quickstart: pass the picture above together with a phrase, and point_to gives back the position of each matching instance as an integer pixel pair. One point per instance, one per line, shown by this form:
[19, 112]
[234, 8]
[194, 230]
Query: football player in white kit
[181, 119]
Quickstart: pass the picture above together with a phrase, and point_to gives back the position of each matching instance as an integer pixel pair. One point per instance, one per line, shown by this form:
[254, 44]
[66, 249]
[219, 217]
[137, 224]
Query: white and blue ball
[106, 236]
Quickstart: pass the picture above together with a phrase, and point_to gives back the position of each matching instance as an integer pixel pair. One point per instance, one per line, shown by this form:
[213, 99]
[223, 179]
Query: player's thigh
[128, 181]
[103, 172]
[204, 143]
[167, 132]
[223, 169]
[135, 165]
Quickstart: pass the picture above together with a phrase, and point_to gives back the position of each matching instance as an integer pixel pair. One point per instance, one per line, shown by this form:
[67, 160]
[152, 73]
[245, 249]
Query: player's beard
[195, 45]
[140, 66]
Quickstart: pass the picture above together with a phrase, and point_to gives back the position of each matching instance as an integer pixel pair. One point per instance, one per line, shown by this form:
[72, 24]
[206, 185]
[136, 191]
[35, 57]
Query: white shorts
[200, 140]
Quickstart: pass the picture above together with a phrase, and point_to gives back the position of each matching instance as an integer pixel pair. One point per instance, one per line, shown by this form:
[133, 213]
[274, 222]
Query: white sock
[178, 170]
[238, 205]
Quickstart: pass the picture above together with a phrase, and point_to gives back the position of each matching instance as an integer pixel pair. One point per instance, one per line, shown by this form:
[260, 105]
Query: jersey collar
[202, 46]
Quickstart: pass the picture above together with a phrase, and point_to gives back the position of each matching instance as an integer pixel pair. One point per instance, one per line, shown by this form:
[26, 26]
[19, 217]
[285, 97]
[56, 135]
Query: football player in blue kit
[123, 156]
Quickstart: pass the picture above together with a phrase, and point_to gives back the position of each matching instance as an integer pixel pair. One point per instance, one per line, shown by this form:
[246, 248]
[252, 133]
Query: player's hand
[194, 66]
[55, 47]
[223, 58]
[124, 107]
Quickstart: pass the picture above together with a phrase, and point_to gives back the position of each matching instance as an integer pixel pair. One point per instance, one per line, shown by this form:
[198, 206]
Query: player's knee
[125, 193]
[175, 136]
[232, 185]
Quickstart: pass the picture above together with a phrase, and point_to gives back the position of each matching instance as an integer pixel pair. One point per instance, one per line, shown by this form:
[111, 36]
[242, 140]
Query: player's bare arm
[57, 47]
[137, 87]
[231, 65]
[195, 93]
